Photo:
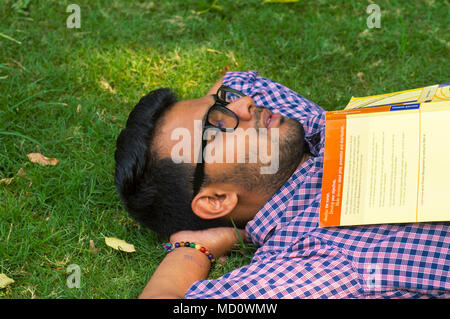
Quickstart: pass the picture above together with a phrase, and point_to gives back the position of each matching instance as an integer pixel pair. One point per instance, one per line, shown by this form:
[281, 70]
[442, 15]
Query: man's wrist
[169, 247]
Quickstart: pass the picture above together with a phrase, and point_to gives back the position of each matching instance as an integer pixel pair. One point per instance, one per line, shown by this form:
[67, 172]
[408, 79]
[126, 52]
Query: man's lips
[274, 119]
[267, 114]
[270, 118]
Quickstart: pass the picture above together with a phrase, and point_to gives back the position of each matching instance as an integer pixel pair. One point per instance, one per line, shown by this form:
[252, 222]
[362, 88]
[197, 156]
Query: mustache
[257, 116]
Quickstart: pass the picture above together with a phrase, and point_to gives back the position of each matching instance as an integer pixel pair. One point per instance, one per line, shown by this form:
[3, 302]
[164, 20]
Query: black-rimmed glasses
[218, 117]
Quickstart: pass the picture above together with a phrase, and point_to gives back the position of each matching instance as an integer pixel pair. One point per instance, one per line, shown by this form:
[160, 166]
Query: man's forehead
[188, 103]
[180, 116]
[184, 112]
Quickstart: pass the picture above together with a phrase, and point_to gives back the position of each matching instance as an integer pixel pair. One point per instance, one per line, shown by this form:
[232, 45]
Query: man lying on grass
[251, 151]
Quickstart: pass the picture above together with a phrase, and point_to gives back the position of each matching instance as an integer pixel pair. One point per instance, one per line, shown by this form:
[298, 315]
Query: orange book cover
[386, 164]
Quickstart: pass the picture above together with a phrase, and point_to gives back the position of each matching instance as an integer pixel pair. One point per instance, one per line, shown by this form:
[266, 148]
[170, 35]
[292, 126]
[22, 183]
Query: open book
[387, 159]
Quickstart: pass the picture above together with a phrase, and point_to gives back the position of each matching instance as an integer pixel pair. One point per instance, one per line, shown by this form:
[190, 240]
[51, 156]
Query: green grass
[52, 101]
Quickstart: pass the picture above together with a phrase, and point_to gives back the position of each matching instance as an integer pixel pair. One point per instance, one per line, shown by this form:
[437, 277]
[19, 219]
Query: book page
[434, 176]
[381, 168]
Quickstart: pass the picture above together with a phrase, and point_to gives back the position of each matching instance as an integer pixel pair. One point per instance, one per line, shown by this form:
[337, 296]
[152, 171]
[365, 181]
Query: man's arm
[184, 266]
[176, 273]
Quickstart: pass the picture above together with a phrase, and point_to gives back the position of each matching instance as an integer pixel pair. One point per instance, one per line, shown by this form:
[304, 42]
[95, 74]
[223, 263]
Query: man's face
[260, 154]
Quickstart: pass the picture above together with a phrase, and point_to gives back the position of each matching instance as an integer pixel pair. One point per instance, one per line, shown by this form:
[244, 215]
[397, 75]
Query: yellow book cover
[432, 93]
[387, 164]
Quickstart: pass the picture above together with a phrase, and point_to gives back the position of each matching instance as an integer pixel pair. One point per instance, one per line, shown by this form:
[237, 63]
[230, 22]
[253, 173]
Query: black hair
[155, 191]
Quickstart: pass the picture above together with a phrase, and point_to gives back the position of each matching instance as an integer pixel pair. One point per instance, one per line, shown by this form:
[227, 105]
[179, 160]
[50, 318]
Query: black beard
[291, 152]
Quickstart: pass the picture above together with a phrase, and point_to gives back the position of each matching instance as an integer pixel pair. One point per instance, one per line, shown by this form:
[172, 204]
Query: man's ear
[212, 202]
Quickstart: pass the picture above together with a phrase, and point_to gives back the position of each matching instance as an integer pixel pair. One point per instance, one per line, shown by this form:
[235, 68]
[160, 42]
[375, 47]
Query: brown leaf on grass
[41, 159]
[5, 281]
[119, 244]
[6, 181]
[106, 86]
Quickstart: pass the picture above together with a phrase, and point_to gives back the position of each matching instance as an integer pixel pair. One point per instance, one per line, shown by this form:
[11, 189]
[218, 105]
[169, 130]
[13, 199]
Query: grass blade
[9, 38]
[13, 133]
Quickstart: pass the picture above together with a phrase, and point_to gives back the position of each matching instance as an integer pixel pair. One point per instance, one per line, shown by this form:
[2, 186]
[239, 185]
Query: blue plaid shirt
[298, 259]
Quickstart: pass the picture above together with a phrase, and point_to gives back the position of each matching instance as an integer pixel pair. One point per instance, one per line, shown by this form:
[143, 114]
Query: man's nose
[243, 108]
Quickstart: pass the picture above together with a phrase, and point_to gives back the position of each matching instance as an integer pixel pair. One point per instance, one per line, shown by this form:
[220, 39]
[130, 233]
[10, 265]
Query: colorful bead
[187, 244]
[192, 245]
[197, 246]
[177, 245]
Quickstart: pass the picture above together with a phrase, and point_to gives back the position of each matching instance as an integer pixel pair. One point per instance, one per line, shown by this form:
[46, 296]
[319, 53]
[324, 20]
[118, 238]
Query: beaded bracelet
[169, 247]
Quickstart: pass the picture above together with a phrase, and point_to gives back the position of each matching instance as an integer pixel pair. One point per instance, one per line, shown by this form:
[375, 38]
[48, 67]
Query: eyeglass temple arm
[224, 89]
[199, 173]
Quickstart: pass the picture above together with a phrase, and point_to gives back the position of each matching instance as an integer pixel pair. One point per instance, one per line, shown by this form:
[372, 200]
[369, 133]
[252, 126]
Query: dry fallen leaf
[119, 244]
[106, 86]
[5, 281]
[6, 181]
[41, 159]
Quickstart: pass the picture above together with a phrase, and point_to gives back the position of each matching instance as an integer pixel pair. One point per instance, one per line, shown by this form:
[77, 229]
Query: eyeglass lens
[222, 117]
